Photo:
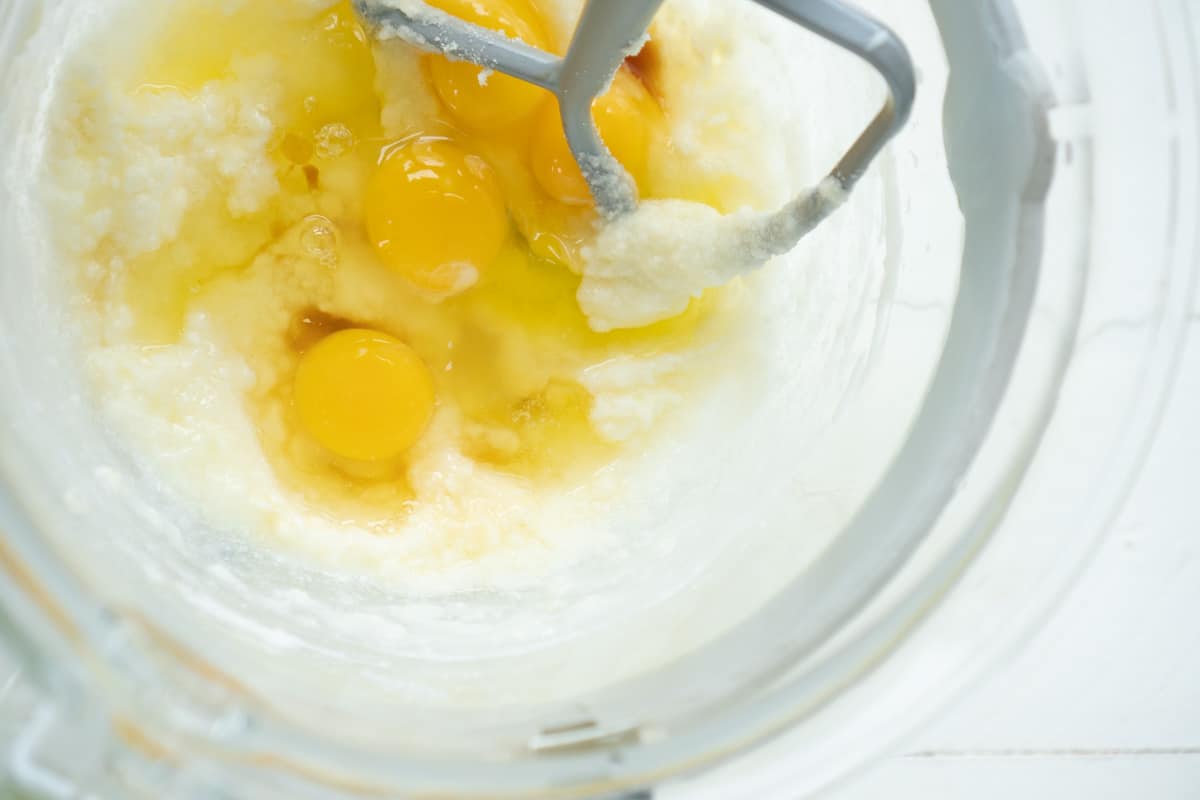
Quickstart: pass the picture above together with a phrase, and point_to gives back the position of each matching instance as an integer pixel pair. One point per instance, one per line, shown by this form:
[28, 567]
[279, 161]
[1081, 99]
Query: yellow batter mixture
[376, 251]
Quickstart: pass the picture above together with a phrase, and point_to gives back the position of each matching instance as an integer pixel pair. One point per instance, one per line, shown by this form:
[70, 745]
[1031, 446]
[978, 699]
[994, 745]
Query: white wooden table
[1105, 702]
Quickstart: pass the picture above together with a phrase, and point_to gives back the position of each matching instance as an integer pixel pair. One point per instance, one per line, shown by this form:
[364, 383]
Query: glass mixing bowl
[978, 445]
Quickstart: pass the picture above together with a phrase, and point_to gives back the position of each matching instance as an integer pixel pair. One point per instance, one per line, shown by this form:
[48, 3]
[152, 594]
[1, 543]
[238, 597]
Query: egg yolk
[363, 395]
[480, 98]
[622, 114]
[436, 214]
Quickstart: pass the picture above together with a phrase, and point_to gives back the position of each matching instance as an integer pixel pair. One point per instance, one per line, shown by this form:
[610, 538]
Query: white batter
[128, 171]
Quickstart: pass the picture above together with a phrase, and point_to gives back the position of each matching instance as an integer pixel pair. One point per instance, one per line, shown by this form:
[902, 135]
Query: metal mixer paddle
[610, 30]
